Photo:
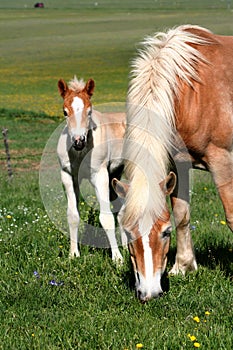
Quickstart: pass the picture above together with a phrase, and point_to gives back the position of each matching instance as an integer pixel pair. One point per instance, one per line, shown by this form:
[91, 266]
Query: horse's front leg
[100, 181]
[72, 212]
[185, 258]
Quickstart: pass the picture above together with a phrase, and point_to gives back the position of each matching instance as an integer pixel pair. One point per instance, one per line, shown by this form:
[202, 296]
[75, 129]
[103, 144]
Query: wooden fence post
[8, 158]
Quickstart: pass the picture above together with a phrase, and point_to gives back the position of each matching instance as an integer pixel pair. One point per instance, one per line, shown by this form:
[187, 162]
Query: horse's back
[205, 110]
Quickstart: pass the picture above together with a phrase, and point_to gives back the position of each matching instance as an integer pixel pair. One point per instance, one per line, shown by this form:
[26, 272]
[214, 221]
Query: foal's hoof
[117, 259]
[74, 254]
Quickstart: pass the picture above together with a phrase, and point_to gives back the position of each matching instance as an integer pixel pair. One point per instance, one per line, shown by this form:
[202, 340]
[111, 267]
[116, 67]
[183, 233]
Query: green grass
[95, 305]
[38, 47]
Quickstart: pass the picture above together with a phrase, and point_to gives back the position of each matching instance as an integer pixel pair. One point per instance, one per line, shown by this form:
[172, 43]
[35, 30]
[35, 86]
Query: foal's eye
[65, 113]
[167, 233]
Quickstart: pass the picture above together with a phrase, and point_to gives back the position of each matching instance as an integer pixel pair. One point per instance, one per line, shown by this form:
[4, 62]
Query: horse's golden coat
[180, 106]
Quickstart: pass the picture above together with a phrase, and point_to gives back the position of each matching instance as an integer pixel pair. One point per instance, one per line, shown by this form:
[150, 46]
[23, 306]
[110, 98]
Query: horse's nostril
[141, 296]
[82, 138]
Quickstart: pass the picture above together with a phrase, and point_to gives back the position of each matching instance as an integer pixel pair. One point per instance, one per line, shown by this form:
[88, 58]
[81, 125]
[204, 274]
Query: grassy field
[46, 300]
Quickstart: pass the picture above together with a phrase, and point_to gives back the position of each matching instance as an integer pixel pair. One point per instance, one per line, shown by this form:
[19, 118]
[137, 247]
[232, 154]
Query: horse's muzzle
[144, 298]
[80, 143]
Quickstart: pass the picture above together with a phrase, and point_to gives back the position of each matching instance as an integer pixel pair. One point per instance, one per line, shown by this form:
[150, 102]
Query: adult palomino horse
[90, 147]
[180, 107]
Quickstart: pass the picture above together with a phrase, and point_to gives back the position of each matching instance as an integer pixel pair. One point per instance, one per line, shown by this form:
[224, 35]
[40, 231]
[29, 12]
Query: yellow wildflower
[192, 337]
[8, 216]
[197, 345]
[139, 346]
[197, 319]
[207, 313]
[222, 222]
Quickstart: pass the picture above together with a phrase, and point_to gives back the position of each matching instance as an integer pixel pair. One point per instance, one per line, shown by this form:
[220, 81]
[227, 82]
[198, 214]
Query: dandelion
[222, 222]
[139, 346]
[196, 345]
[8, 216]
[207, 313]
[192, 337]
[205, 189]
[33, 335]
[196, 319]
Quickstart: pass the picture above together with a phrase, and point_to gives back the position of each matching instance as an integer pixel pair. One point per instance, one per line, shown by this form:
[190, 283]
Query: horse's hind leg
[72, 213]
[101, 184]
[220, 162]
[185, 258]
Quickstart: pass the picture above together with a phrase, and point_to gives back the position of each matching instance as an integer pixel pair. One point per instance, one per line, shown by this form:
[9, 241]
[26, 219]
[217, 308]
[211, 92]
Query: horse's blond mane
[76, 84]
[151, 116]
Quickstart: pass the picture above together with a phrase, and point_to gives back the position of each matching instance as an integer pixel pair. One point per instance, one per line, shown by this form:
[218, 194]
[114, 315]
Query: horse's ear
[90, 86]
[168, 184]
[62, 87]
[121, 188]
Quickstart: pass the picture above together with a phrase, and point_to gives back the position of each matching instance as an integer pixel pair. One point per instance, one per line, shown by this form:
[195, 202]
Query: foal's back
[108, 139]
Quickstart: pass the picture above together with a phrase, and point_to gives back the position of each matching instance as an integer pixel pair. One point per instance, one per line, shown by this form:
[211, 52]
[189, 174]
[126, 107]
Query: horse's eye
[167, 233]
[65, 113]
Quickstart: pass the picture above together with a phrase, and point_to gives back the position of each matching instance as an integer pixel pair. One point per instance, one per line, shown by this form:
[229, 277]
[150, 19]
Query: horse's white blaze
[77, 129]
[149, 285]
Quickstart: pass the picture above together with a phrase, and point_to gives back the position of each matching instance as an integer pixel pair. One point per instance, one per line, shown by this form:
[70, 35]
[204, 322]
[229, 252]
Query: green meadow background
[46, 300]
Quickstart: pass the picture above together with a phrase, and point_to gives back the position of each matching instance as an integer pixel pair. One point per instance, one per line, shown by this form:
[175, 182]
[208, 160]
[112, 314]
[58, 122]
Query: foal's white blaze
[148, 286]
[77, 128]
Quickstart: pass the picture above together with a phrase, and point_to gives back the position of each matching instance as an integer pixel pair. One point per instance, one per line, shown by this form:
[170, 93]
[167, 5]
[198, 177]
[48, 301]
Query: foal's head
[149, 250]
[77, 109]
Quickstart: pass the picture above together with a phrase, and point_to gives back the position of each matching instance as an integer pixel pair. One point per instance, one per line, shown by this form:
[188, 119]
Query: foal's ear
[62, 87]
[121, 188]
[90, 86]
[168, 184]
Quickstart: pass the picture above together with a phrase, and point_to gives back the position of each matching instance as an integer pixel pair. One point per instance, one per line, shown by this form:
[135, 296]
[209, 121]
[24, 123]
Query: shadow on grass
[211, 256]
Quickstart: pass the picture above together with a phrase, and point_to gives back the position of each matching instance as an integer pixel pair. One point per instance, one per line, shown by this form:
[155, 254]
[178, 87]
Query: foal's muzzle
[79, 143]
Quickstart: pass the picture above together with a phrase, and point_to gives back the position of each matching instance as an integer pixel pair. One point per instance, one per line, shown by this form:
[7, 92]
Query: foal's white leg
[124, 239]
[72, 213]
[101, 183]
